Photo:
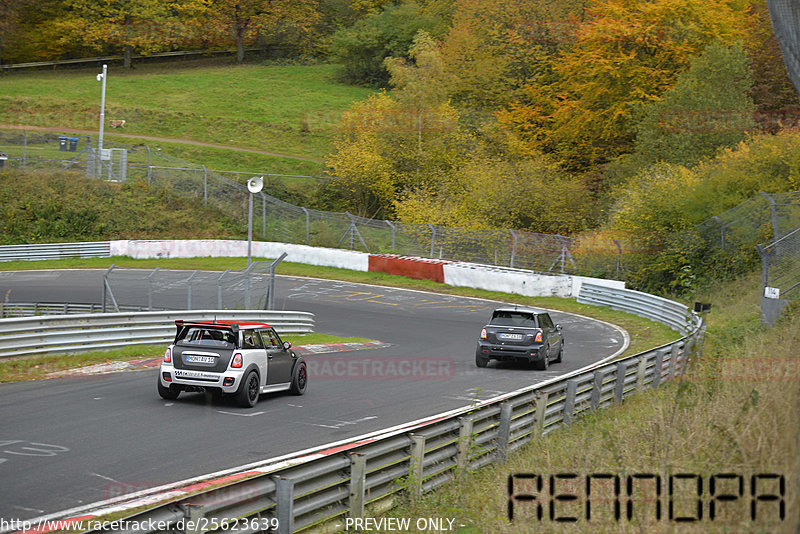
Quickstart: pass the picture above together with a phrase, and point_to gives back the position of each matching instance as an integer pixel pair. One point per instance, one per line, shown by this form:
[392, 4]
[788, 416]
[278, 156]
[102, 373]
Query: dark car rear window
[512, 318]
[207, 337]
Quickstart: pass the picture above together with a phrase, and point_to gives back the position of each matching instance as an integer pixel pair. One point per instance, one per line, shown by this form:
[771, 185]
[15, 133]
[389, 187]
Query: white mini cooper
[238, 358]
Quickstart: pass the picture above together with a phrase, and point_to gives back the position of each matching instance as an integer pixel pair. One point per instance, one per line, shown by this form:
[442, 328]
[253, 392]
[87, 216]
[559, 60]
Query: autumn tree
[362, 48]
[493, 191]
[420, 84]
[495, 47]
[379, 155]
[772, 89]
[142, 25]
[245, 19]
[708, 108]
[626, 52]
[12, 13]
[412, 135]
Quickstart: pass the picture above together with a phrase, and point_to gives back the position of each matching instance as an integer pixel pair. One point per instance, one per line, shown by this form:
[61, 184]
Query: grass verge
[36, 367]
[287, 109]
[735, 413]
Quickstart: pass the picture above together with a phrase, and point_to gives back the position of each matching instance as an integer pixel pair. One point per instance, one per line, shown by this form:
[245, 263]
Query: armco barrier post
[619, 384]
[358, 480]
[673, 360]
[503, 431]
[284, 493]
[569, 401]
[415, 466]
[688, 350]
[465, 425]
[308, 226]
[641, 372]
[194, 514]
[433, 238]
[540, 417]
[660, 353]
[597, 387]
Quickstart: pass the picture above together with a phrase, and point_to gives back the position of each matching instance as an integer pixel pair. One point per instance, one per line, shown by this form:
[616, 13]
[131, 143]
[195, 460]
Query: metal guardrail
[108, 59]
[321, 486]
[29, 309]
[55, 251]
[51, 334]
[670, 313]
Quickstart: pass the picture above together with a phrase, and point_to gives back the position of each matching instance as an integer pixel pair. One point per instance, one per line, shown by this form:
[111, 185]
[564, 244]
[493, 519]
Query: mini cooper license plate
[196, 358]
[514, 337]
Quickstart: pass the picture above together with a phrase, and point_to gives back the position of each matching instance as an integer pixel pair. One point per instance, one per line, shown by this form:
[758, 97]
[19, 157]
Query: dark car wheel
[481, 361]
[168, 393]
[299, 378]
[560, 354]
[247, 396]
[544, 363]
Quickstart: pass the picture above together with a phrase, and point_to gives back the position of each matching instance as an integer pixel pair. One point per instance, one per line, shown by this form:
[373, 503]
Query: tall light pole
[254, 185]
[101, 77]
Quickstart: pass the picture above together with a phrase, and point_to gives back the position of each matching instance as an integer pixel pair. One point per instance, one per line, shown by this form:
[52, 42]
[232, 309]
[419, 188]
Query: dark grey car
[520, 335]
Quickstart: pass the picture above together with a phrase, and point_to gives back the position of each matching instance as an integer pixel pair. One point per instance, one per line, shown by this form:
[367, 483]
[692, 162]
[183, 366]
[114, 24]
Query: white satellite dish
[255, 184]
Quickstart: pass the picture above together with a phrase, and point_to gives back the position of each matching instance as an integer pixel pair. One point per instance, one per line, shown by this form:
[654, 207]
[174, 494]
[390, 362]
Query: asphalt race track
[73, 441]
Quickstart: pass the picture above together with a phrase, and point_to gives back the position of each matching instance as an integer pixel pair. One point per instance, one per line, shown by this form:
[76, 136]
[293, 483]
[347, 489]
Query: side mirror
[287, 345]
[558, 327]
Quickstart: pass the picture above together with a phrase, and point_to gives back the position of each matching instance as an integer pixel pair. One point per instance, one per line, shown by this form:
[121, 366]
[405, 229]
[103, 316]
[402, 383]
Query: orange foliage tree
[141, 25]
[625, 52]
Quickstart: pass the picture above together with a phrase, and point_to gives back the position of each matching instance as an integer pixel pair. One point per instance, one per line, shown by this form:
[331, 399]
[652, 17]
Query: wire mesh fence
[781, 265]
[764, 217]
[276, 220]
[768, 224]
[157, 289]
[730, 235]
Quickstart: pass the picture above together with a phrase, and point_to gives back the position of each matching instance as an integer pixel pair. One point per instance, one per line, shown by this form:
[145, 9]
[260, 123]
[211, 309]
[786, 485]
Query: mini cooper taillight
[483, 333]
[236, 363]
[168, 356]
[538, 338]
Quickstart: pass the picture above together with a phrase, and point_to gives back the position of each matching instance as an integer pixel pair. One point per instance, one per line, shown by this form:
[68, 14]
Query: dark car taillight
[538, 338]
[483, 333]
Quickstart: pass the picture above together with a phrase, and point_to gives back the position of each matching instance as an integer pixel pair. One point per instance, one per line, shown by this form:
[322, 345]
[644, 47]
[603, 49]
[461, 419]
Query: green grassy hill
[290, 110]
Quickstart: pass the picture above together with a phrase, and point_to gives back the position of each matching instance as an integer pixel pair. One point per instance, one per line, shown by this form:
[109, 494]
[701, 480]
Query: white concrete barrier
[519, 282]
[215, 248]
[516, 281]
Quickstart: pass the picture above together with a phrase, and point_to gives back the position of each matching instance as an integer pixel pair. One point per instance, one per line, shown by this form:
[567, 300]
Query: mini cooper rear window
[512, 318]
[209, 337]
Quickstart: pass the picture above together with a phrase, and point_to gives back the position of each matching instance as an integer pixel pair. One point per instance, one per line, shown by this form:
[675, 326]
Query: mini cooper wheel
[168, 393]
[299, 378]
[544, 363]
[247, 396]
[481, 361]
[560, 354]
